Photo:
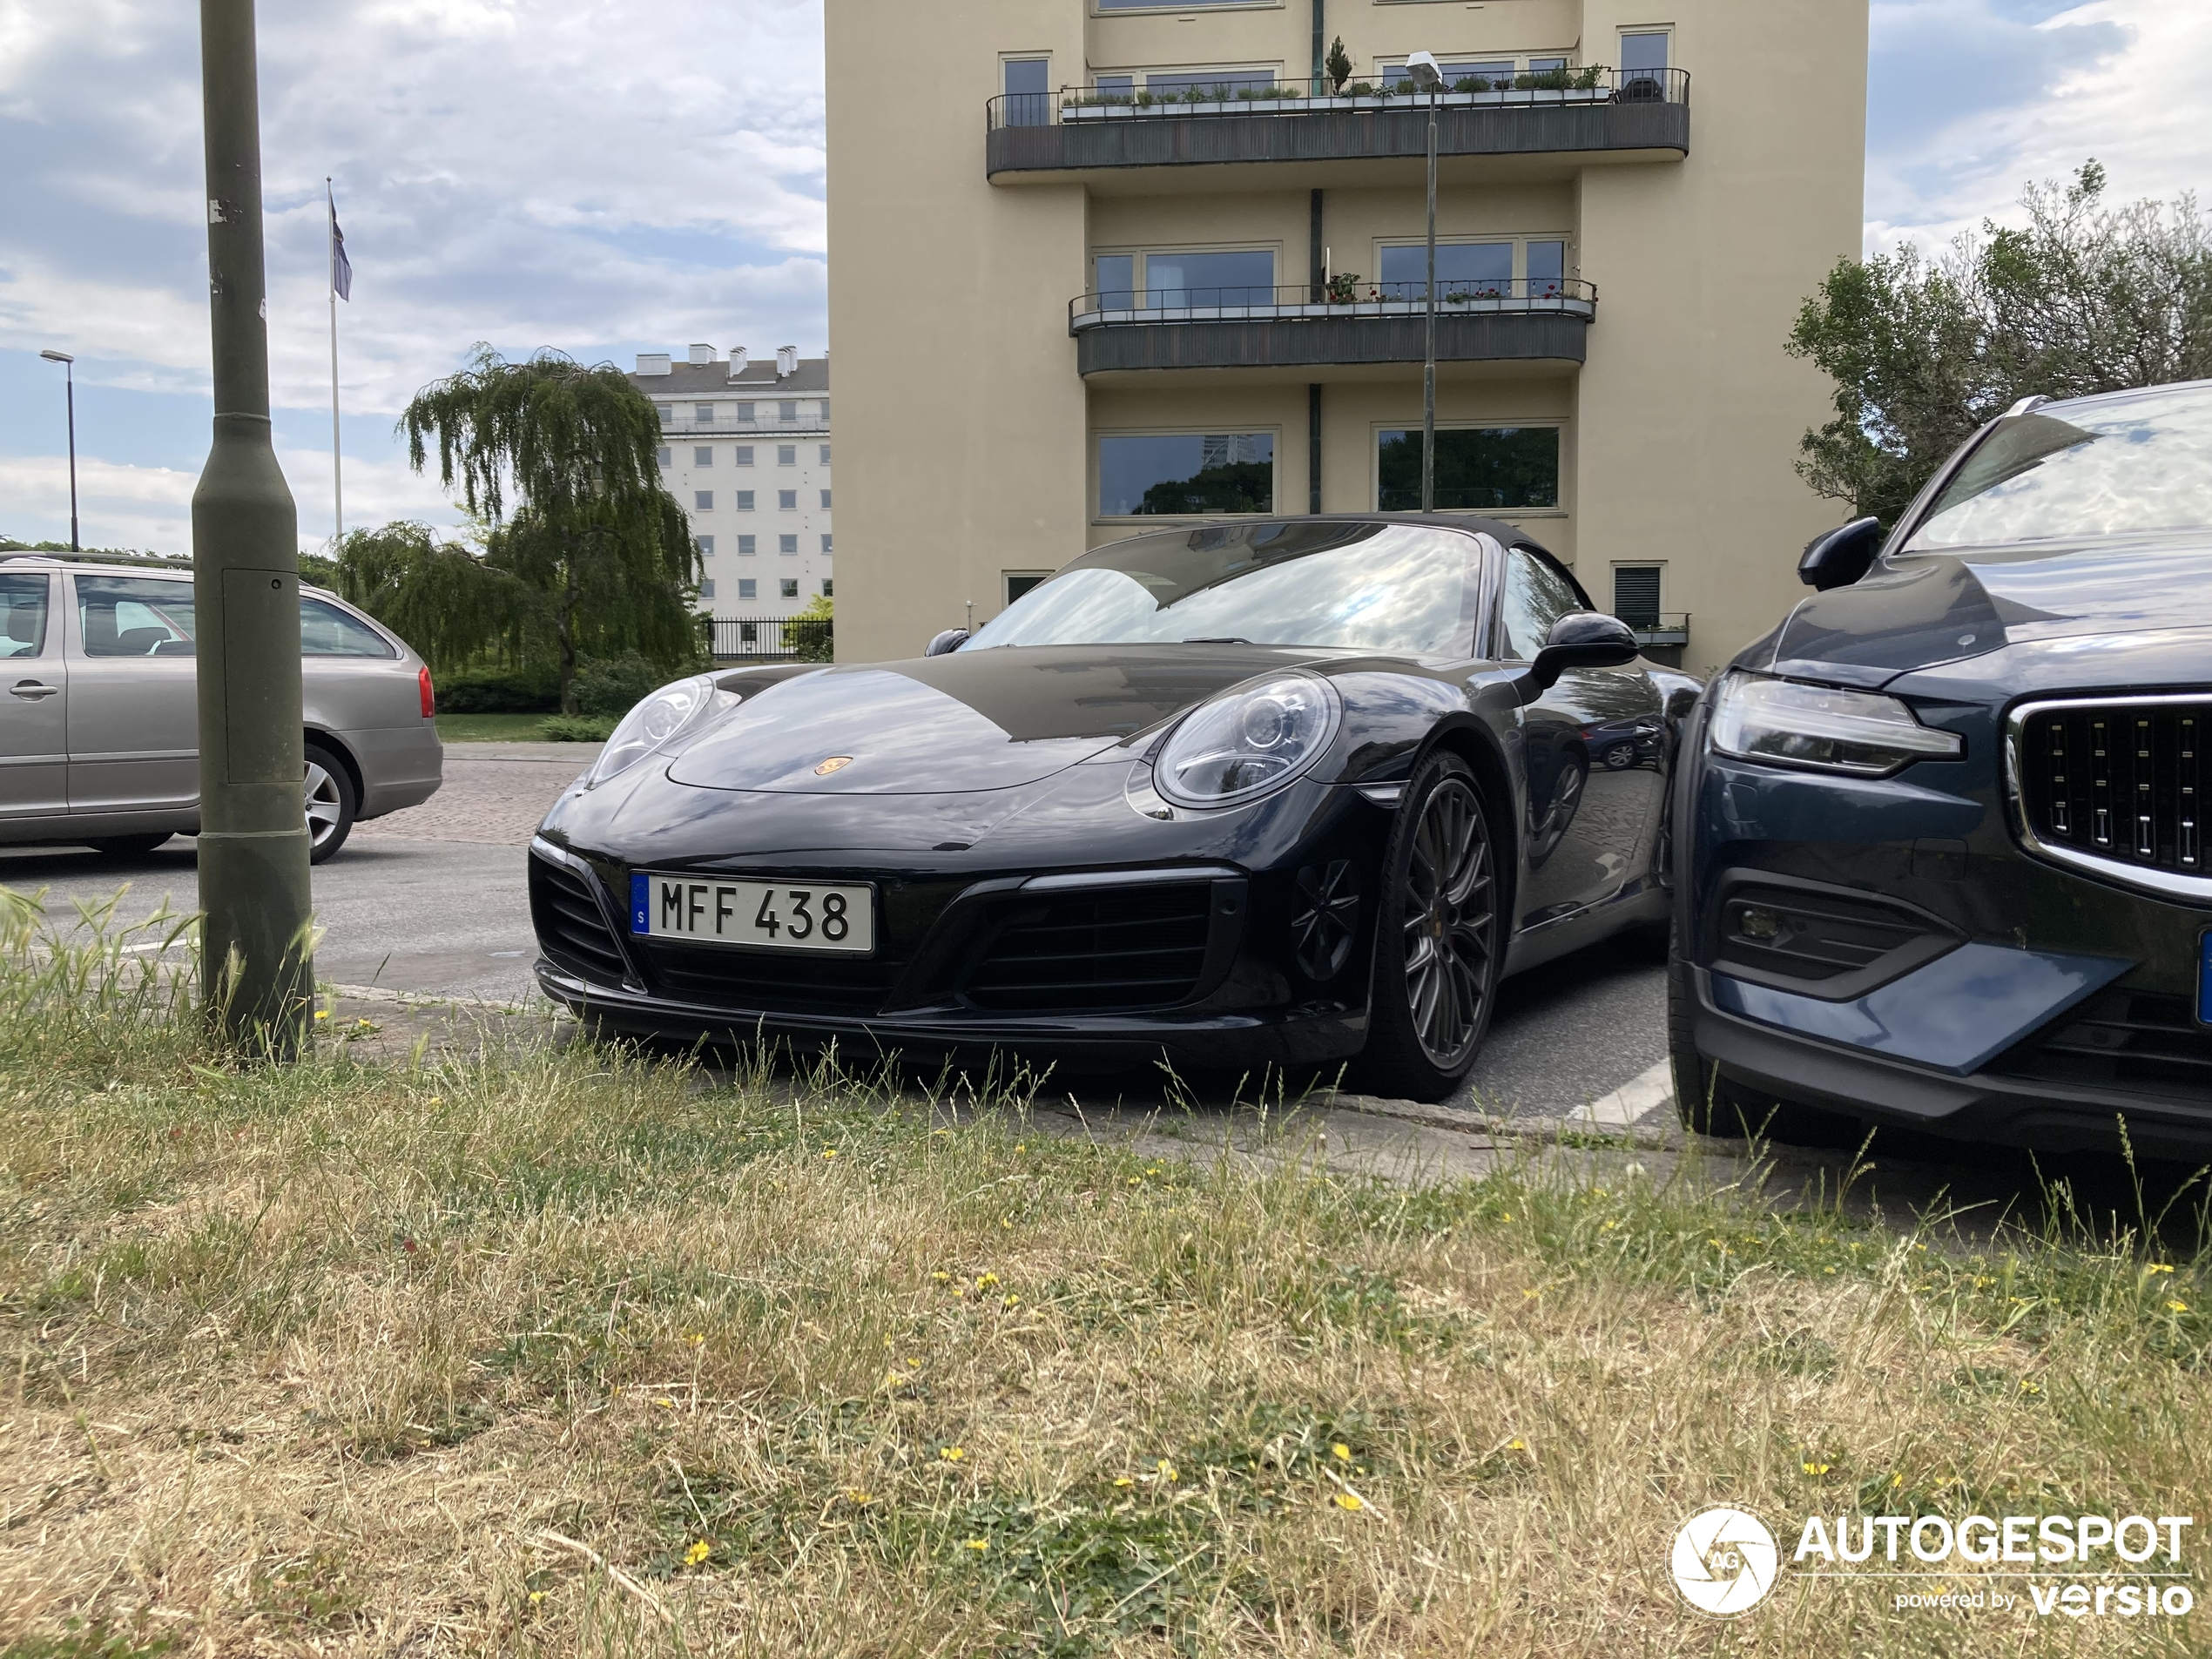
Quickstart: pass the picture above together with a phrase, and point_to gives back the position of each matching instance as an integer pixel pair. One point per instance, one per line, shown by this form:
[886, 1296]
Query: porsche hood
[959, 722]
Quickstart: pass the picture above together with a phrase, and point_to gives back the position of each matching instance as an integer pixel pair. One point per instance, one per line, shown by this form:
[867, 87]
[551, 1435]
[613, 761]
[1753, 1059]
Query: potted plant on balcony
[1344, 288]
[1337, 64]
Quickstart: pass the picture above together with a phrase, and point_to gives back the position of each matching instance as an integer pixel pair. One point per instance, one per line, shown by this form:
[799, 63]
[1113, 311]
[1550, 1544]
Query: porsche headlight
[658, 721]
[1825, 727]
[1247, 741]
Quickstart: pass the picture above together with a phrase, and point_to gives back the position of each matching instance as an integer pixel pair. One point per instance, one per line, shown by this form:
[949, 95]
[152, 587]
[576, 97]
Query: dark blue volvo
[1939, 836]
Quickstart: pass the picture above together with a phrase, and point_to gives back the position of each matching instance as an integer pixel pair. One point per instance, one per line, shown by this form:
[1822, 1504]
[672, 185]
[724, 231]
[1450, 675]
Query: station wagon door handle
[32, 690]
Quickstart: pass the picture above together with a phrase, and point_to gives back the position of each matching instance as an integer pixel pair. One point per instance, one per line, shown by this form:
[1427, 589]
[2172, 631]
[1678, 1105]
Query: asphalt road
[433, 900]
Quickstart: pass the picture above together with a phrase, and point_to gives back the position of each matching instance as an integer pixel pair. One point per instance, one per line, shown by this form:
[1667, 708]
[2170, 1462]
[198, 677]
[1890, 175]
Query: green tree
[595, 558]
[1338, 65]
[811, 632]
[448, 602]
[2083, 298]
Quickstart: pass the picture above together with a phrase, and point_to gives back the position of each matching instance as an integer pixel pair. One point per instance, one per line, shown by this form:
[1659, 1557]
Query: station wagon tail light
[1824, 728]
[429, 693]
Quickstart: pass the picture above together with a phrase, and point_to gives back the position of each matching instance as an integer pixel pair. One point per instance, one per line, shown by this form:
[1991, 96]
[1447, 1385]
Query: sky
[617, 176]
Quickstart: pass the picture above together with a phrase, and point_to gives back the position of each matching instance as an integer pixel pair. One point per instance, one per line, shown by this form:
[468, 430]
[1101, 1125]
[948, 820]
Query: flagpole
[337, 465]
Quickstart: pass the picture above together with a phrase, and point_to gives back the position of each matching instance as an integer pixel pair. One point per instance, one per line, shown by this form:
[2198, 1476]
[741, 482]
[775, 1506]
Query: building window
[1028, 91]
[667, 457]
[826, 495]
[1644, 50]
[667, 412]
[706, 589]
[1173, 279]
[1180, 472]
[702, 414]
[1478, 468]
[787, 501]
[745, 501]
[1547, 266]
[1113, 278]
[787, 411]
[746, 547]
[825, 455]
[787, 544]
[745, 413]
[1635, 594]
[1020, 581]
[702, 454]
[747, 588]
[826, 546]
[790, 587]
[705, 545]
[1155, 5]
[826, 592]
[1463, 269]
[786, 455]
[742, 455]
[823, 408]
[702, 501]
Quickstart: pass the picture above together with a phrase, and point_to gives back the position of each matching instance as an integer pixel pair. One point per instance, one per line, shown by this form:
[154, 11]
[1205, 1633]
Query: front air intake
[570, 924]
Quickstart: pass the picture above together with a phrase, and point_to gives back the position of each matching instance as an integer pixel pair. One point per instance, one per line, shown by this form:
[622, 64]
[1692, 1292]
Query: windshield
[1403, 589]
[2119, 466]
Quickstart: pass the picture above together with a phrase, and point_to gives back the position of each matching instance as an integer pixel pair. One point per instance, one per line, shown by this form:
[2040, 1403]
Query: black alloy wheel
[1438, 944]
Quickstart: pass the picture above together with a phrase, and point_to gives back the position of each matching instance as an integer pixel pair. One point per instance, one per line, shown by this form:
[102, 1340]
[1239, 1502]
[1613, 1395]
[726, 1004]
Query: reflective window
[1478, 469]
[667, 457]
[748, 588]
[1114, 278]
[1537, 595]
[702, 454]
[828, 590]
[747, 545]
[787, 411]
[742, 455]
[325, 631]
[705, 545]
[706, 589]
[1239, 277]
[2122, 465]
[134, 617]
[702, 501]
[744, 412]
[22, 614]
[704, 414]
[825, 495]
[745, 501]
[1224, 472]
[787, 500]
[786, 455]
[825, 460]
[1405, 589]
[1028, 91]
[787, 544]
[826, 544]
[1644, 51]
[789, 587]
[1547, 264]
[1464, 270]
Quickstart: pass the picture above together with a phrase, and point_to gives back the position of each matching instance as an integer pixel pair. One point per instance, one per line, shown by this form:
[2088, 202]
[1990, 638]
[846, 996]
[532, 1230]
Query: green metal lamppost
[259, 975]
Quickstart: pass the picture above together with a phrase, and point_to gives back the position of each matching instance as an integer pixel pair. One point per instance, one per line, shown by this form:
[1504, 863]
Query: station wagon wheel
[330, 803]
[1436, 971]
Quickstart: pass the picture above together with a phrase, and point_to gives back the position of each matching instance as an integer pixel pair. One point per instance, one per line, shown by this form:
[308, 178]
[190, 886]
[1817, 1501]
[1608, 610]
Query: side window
[325, 631]
[1536, 596]
[134, 617]
[22, 615]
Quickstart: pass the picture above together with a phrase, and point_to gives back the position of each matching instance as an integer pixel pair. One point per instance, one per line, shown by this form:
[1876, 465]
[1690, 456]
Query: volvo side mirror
[1842, 556]
[951, 639]
[1579, 639]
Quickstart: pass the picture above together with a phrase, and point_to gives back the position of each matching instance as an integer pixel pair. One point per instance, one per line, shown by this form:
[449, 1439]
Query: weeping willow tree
[586, 553]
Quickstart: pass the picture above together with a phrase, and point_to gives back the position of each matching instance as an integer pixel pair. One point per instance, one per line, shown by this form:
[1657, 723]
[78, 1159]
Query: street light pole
[1427, 76]
[69, 391]
[257, 972]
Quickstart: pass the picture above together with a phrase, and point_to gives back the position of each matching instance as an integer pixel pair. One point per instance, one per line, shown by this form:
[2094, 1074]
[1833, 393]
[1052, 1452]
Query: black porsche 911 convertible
[1285, 792]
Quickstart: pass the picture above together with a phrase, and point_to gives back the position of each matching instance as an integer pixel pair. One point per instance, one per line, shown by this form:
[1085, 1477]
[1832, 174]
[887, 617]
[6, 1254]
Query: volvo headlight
[1247, 741]
[658, 721]
[1792, 724]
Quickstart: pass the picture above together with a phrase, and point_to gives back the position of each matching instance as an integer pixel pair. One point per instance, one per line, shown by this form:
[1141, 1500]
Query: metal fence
[1230, 94]
[770, 639]
[1341, 296]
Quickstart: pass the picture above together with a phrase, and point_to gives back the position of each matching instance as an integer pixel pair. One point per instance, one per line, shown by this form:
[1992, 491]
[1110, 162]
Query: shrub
[503, 690]
[577, 728]
[611, 687]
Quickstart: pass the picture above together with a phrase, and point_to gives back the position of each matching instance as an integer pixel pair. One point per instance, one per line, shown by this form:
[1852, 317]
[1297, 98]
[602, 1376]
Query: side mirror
[1842, 556]
[951, 639]
[1579, 639]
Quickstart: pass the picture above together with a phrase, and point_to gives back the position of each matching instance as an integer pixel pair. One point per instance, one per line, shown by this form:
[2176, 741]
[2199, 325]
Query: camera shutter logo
[1724, 1562]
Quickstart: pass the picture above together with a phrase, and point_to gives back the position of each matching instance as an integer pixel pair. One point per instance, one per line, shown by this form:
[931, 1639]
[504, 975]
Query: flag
[341, 268]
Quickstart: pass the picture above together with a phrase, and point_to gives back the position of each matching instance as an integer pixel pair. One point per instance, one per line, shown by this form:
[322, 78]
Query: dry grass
[569, 1352]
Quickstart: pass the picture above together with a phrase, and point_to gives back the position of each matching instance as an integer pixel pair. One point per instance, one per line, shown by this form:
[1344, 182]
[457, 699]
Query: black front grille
[1109, 951]
[2122, 781]
[2133, 1040]
[571, 928]
[720, 976]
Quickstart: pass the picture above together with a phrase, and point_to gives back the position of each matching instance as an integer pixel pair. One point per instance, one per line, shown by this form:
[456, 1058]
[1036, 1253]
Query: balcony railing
[1237, 95]
[1660, 627]
[1501, 296]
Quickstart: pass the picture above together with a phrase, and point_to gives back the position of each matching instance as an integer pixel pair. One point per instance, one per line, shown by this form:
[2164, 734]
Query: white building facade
[746, 447]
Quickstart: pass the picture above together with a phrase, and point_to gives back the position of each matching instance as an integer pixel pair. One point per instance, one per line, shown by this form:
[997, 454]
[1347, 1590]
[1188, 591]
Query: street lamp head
[57, 357]
[1422, 67]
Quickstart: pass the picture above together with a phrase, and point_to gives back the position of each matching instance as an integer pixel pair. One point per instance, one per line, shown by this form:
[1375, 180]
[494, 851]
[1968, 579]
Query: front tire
[330, 804]
[1438, 939]
[1710, 1103]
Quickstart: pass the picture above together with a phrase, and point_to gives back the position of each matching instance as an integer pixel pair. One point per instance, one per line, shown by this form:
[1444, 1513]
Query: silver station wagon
[100, 736]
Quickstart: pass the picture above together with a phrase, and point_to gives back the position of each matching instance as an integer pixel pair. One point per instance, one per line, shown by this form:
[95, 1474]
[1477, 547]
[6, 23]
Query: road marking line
[1632, 1102]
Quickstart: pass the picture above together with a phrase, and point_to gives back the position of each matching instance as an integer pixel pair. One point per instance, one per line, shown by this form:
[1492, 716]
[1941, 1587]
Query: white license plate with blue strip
[759, 915]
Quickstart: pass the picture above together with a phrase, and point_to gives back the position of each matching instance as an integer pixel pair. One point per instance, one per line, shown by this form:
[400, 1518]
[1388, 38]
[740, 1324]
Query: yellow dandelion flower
[1123, 1480]
[322, 1013]
[858, 1497]
[1827, 1270]
[913, 1362]
[1020, 1146]
[830, 1152]
[1166, 1470]
[979, 1545]
[699, 1551]
[952, 1454]
[1013, 1301]
[1895, 1480]
[1136, 1180]
[2028, 1387]
[1516, 1445]
[669, 1403]
[1816, 1468]
[1007, 1222]
[959, 1290]
[1531, 1292]
[440, 1100]
[894, 1378]
[1340, 1452]
[536, 1596]
[984, 1281]
[2177, 1307]
[941, 1277]
[2158, 1267]
[695, 1337]
[1505, 1218]
[1348, 1501]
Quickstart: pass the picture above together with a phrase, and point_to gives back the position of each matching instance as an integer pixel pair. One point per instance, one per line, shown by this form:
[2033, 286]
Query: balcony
[1520, 319]
[1576, 116]
[1660, 627]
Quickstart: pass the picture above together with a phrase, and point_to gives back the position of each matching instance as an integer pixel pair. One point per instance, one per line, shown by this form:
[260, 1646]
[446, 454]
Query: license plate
[761, 916]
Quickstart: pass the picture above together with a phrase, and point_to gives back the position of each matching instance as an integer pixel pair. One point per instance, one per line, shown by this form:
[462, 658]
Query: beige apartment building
[1098, 267]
